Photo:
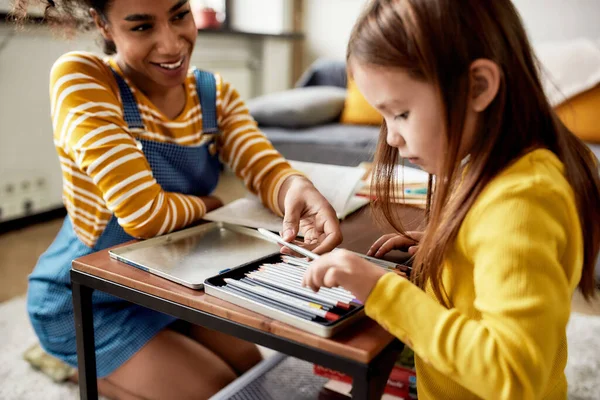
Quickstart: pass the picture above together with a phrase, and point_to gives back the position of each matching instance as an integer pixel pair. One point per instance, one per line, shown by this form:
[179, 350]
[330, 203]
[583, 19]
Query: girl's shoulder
[77, 65]
[537, 169]
[536, 177]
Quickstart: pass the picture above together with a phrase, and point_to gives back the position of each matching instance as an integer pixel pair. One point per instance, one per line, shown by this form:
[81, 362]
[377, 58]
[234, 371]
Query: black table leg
[84, 331]
[371, 382]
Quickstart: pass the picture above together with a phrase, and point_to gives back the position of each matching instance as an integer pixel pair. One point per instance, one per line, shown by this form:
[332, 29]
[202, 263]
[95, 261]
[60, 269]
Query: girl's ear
[484, 77]
[101, 24]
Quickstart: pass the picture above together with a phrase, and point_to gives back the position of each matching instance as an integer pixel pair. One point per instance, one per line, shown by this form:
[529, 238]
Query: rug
[18, 381]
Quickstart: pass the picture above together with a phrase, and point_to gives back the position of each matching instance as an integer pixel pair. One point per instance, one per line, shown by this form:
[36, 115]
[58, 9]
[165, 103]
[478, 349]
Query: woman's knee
[248, 357]
[239, 354]
[172, 365]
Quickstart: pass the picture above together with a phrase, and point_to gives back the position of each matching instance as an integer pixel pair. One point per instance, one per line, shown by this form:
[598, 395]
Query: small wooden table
[364, 350]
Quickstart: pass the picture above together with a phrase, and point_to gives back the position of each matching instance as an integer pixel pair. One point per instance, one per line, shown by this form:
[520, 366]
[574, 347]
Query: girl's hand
[393, 241]
[346, 269]
[307, 211]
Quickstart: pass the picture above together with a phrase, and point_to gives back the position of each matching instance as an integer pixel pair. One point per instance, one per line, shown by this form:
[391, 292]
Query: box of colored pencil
[273, 287]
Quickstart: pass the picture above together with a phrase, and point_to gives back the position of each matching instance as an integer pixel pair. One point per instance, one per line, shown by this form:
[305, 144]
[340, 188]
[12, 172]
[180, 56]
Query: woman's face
[154, 39]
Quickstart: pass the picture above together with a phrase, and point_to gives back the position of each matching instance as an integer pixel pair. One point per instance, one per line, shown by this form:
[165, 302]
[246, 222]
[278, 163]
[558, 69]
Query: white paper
[408, 175]
[336, 183]
[249, 212]
[355, 203]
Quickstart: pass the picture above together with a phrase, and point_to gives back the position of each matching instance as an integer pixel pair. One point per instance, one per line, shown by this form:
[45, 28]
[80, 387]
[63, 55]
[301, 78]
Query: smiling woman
[141, 137]
[154, 45]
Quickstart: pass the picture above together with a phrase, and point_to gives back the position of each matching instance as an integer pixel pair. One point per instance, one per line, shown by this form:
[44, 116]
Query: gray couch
[331, 143]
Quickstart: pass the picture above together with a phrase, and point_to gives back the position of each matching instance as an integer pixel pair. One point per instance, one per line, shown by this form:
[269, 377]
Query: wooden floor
[19, 251]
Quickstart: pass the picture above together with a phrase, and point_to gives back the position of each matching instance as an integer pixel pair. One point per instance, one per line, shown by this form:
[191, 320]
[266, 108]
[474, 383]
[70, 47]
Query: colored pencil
[306, 306]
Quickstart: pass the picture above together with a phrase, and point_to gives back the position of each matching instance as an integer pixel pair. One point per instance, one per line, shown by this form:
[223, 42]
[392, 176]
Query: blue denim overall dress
[121, 328]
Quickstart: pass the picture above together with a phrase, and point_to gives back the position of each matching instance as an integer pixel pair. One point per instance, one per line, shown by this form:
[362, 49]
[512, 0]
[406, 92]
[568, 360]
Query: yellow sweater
[509, 276]
[104, 172]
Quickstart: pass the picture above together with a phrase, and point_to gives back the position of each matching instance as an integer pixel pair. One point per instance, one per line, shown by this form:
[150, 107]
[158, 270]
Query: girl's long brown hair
[437, 41]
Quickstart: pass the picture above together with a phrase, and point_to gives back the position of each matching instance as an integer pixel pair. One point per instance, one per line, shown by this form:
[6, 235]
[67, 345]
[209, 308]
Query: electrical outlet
[9, 189]
[25, 186]
[7, 195]
[25, 195]
[41, 195]
[10, 210]
[27, 207]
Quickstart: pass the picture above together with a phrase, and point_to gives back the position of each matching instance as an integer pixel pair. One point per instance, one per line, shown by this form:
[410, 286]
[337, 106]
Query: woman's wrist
[285, 186]
[211, 202]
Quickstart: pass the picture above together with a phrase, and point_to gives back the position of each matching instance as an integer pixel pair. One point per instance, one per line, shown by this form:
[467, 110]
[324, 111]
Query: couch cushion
[357, 110]
[337, 134]
[328, 144]
[299, 107]
[324, 72]
[580, 114]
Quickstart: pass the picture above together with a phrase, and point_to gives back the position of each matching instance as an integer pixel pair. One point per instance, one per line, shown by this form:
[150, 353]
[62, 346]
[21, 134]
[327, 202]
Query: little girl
[513, 227]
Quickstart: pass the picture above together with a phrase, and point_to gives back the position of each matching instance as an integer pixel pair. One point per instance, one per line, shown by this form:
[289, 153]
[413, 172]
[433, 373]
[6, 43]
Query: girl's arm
[103, 168]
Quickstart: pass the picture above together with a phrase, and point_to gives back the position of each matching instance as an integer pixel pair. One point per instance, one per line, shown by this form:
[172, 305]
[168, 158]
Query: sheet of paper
[247, 211]
[336, 183]
[250, 212]
[408, 175]
[354, 204]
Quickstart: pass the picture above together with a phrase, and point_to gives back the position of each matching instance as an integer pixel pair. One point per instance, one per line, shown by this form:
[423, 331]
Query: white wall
[264, 16]
[6, 7]
[327, 26]
[549, 20]
[28, 159]
[327, 23]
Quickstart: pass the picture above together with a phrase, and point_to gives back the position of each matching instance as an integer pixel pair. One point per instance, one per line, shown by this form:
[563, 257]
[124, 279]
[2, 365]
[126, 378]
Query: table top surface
[361, 341]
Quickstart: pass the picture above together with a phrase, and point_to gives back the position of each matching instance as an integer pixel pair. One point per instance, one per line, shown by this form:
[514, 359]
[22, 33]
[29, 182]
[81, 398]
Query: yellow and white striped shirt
[105, 173]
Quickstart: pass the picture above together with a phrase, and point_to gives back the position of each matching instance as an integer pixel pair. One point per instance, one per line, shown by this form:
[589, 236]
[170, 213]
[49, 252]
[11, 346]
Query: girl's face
[412, 110]
[154, 39]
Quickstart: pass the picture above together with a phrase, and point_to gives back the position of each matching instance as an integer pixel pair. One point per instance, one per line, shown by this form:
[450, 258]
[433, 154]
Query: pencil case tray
[215, 286]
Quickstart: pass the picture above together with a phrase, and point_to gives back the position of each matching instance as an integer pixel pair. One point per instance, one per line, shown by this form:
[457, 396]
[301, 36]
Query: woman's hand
[307, 211]
[211, 202]
[346, 269]
[394, 241]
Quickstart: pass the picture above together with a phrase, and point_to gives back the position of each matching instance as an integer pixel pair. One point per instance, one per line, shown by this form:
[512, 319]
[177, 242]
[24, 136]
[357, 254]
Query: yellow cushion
[357, 110]
[581, 114]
